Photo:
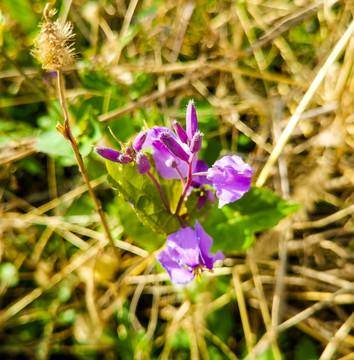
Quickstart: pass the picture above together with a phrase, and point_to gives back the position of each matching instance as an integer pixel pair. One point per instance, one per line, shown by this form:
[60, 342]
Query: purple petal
[178, 273]
[205, 242]
[183, 244]
[164, 161]
[231, 179]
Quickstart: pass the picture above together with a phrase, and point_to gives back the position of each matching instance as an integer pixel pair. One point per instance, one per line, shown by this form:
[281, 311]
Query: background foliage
[248, 65]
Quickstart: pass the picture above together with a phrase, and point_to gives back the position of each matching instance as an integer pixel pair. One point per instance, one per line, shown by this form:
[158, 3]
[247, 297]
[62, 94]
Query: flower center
[197, 271]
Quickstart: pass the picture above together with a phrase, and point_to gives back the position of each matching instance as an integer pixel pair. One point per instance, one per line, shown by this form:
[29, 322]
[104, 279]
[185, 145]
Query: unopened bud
[196, 143]
[124, 159]
[181, 133]
[139, 140]
[108, 153]
[142, 163]
[173, 146]
[191, 120]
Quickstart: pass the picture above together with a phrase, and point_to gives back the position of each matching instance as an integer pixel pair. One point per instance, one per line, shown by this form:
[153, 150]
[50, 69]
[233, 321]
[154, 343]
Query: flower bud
[142, 163]
[124, 159]
[196, 143]
[191, 120]
[139, 140]
[173, 146]
[108, 153]
[181, 133]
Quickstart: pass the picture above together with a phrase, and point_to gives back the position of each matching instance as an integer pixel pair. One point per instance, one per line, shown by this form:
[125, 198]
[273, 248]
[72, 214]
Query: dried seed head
[53, 46]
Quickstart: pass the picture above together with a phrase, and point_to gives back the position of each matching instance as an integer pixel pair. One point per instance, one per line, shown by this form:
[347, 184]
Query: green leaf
[144, 197]
[234, 225]
[141, 235]
[53, 143]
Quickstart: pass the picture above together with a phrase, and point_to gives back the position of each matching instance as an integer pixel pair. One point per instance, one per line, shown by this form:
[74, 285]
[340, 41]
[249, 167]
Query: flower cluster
[186, 253]
[129, 154]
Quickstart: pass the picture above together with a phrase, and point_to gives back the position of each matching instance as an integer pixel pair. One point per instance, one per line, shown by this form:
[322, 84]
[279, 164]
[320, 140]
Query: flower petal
[231, 178]
[205, 243]
[178, 273]
[183, 246]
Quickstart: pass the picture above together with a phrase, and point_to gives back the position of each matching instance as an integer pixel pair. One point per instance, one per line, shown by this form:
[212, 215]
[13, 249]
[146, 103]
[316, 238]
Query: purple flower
[165, 160]
[186, 254]
[129, 154]
[231, 178]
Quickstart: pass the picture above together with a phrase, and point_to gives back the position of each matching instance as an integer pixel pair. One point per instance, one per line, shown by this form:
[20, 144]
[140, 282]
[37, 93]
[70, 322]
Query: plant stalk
[186, 185]
[66, 132]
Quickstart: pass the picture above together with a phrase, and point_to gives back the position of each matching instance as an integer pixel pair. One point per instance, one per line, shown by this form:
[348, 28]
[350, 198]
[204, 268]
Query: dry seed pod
[53, 46]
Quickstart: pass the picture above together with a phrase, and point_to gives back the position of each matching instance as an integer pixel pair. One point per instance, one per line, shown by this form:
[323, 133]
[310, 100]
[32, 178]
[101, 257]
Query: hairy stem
[66, 132]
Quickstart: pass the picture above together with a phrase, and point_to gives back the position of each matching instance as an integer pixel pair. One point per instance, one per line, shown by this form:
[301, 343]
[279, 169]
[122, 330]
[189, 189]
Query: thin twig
[66, 132]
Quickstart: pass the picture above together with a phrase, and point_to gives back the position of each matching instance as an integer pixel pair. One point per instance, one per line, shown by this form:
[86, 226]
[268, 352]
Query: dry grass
[280, 72]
